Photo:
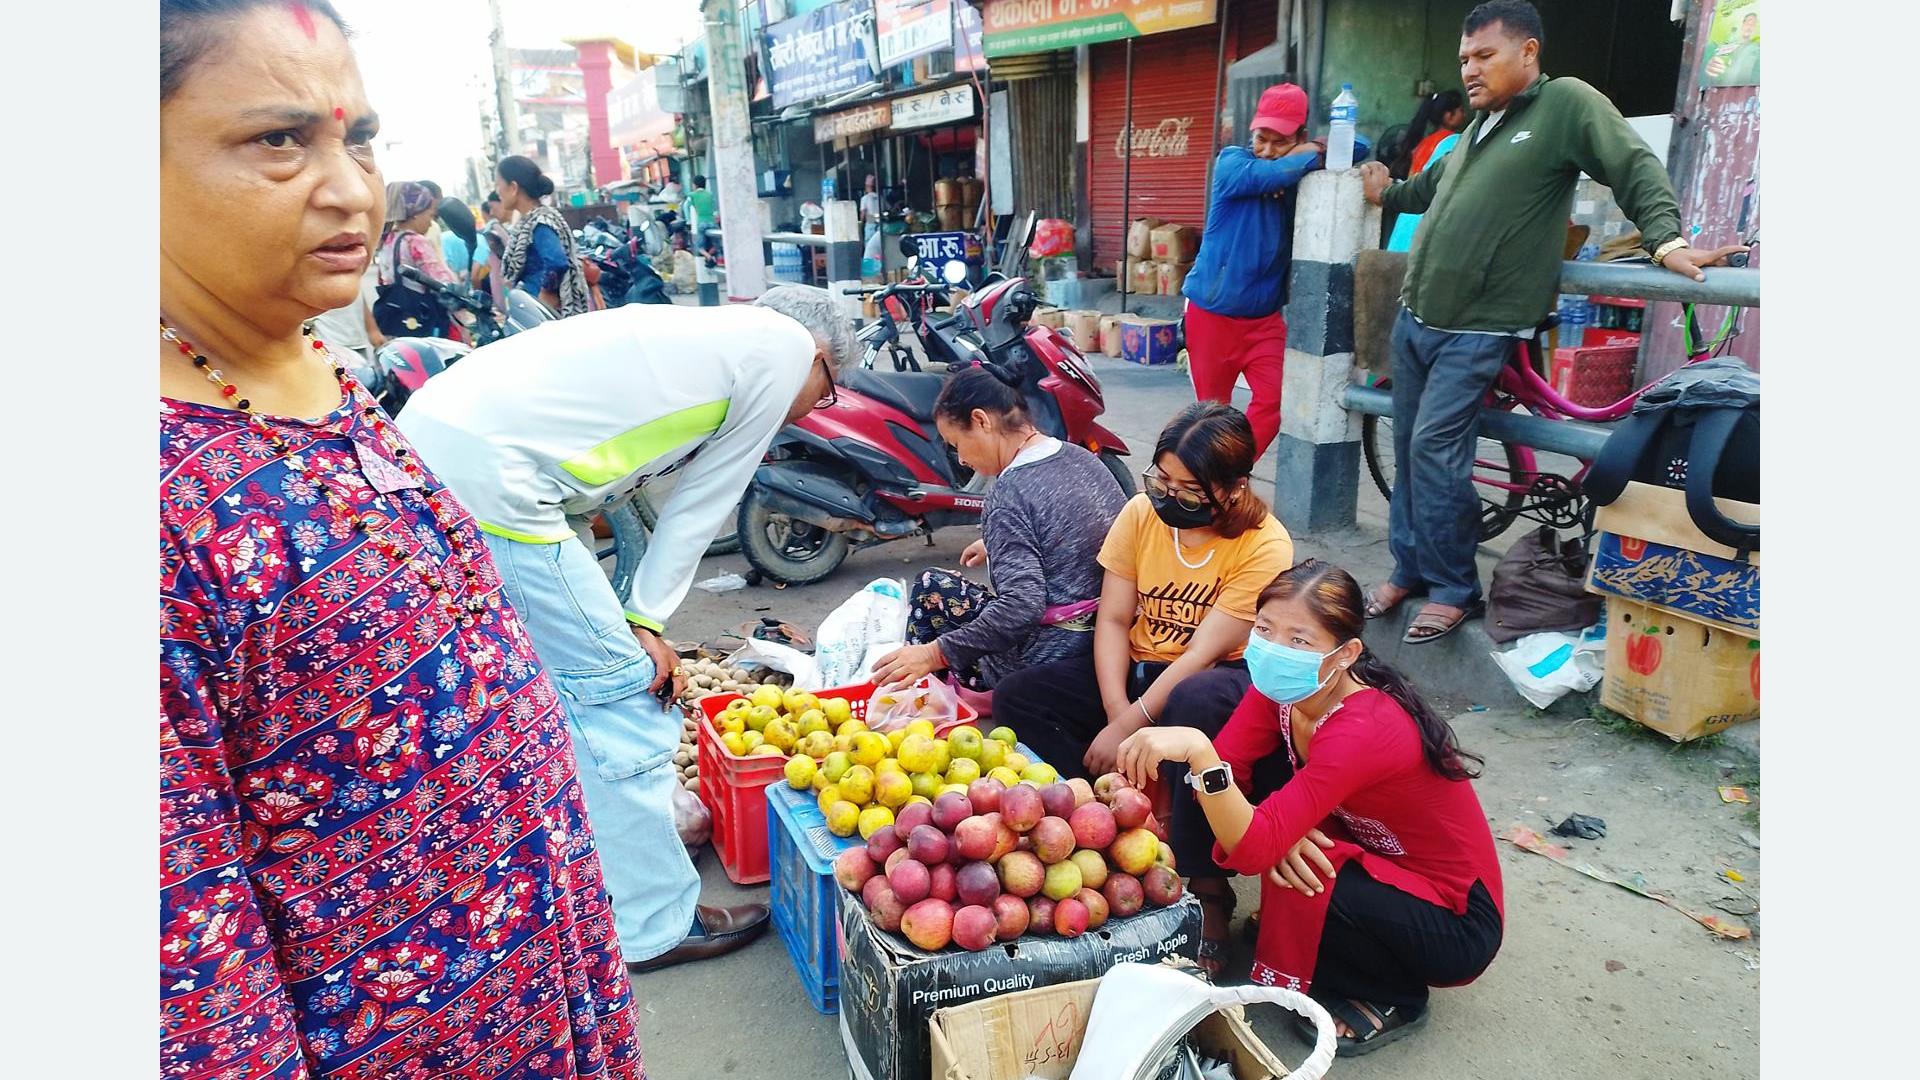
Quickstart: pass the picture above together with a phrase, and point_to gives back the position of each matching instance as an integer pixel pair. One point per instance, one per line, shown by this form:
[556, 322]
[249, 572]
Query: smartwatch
[1212, 781]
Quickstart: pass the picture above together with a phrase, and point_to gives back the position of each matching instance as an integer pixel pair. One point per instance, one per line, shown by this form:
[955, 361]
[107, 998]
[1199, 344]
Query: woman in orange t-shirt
[1185, 563]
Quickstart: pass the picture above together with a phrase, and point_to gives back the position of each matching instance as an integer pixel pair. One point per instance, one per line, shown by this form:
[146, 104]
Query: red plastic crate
[735, 788]
[1593, 376]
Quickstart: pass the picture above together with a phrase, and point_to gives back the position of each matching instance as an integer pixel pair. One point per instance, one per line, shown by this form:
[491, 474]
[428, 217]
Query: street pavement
[1592, 981]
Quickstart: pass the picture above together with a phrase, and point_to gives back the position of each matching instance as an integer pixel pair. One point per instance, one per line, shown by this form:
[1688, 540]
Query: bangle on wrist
[1660, 253]
[1142, 706]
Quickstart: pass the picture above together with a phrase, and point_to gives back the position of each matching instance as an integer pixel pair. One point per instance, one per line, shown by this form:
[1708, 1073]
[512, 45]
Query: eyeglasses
[833, 390]
[1185, 498]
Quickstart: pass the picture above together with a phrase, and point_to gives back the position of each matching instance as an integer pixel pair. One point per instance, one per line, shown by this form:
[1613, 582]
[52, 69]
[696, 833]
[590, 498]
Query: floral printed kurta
[374, 857]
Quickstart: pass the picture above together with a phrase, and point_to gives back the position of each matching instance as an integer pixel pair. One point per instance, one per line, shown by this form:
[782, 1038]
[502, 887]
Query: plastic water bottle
[1345, 111]
[1573, 333]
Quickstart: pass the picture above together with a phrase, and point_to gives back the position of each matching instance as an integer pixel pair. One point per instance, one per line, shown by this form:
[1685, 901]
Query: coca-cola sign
[1168, 138]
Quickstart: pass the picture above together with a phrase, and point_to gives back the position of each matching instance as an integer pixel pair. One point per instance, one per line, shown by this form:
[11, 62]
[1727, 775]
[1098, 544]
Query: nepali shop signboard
[820, 54]
[1029, 26]
[951, 105]
[858, 120]
[910, 28]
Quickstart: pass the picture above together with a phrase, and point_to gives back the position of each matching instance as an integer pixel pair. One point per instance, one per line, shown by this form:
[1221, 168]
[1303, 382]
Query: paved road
[1593, 981]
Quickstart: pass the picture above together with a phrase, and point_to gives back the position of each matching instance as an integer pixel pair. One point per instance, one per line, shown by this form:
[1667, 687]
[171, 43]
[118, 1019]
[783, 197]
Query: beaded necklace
[441, 579]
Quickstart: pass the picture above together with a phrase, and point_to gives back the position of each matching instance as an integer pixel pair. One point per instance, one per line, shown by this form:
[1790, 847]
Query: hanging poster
[968, 52]
[825, 52]
[910, 28]
[1732, 56]
[1029, 26]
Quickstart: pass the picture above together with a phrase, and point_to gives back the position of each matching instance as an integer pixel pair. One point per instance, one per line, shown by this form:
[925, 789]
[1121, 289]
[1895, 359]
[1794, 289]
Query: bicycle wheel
[1497, 475]
[725, 542]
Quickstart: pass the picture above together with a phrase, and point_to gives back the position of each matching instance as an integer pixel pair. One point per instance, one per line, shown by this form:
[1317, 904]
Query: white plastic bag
[1544, 667]
[777, 657]
[871, 623]
[1142, 1011]
[898, 706]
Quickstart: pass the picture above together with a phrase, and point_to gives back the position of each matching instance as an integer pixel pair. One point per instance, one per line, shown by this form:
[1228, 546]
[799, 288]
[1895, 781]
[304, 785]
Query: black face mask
[1171, 512]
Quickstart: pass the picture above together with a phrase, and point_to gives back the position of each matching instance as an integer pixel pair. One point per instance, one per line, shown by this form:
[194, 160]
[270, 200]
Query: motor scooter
[403, 365]
[872, 467]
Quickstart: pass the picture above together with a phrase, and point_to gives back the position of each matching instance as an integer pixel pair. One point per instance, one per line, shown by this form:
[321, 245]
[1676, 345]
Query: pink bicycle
[1515, 480]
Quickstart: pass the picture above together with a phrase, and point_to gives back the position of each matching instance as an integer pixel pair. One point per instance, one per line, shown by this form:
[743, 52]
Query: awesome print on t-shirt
[1172, 611]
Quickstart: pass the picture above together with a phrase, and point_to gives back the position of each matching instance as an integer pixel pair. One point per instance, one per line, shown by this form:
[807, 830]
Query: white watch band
[1224, 768]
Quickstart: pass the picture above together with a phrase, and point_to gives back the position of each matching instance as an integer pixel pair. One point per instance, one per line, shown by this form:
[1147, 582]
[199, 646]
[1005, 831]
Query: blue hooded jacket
[1247, 249]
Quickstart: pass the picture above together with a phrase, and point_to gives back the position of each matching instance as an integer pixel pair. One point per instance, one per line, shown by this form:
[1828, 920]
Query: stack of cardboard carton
[1158, 257]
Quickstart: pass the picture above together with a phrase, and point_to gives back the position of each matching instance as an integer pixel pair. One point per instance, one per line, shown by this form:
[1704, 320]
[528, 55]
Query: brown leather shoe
[723, 929]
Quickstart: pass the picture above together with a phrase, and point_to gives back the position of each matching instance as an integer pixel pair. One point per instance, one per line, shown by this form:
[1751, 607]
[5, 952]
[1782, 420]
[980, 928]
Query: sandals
[1216, 915]
[1378, 1025]
[1376, 609]
[1439, 626]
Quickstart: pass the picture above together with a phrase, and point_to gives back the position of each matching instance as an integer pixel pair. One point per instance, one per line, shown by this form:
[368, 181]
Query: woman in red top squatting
[374, 858]
[1381, 877]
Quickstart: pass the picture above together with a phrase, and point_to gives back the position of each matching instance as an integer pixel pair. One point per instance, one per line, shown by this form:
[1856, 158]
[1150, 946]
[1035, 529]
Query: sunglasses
[1185, 498]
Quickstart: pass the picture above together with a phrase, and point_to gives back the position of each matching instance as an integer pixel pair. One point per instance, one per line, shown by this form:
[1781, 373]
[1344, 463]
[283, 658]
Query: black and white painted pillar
[1317, 455]
[844, 249]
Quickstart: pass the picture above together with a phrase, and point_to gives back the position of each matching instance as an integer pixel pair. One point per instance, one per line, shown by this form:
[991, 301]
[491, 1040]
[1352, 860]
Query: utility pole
[733, 181]
[509, 129]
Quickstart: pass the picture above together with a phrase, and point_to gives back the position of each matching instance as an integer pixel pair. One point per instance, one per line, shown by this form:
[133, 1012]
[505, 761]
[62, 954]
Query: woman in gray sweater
[1046, 517]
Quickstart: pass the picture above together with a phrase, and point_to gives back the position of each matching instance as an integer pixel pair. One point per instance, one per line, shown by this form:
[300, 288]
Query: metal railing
[805, 239]
[1732, 286]
[1570, 437]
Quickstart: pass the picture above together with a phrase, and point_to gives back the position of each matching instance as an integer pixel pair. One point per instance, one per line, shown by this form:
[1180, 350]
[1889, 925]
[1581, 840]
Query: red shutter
[1173, 79]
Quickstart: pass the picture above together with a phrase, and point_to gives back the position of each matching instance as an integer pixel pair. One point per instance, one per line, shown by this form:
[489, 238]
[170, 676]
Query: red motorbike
[872, 468]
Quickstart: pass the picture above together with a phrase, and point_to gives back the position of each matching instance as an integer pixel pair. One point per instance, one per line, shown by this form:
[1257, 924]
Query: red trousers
[1221, 348]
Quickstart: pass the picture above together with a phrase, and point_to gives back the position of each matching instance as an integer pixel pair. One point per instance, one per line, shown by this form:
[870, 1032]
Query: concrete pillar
[1317, 456]
[844, 249]
[732, 150]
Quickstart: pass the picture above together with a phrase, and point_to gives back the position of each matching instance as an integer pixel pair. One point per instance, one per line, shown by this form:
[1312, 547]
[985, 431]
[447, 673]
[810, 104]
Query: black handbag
[1540, 585]
[1697, 430]
[401, 310]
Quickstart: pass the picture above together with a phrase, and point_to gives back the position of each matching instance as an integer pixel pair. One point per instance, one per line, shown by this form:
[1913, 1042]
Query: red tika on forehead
[304, 18]
[339, 113]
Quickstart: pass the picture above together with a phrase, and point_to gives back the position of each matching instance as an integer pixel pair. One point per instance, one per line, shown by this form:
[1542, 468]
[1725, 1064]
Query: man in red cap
[1238, 284]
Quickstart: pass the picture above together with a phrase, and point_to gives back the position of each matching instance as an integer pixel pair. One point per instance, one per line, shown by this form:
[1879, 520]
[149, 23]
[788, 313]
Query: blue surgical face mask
[1286, 675]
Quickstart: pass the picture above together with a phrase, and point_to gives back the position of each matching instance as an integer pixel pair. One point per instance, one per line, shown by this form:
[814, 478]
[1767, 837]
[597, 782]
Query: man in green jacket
[1484, 270]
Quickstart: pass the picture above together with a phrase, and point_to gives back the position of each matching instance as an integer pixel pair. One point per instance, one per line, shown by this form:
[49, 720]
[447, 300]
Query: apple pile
[998, 862]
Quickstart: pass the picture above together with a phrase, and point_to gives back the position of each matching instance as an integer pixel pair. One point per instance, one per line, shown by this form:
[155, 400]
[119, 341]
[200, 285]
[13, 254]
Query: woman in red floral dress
[375, 861]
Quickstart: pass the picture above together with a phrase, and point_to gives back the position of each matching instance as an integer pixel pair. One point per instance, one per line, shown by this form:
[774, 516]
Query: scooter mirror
[913, 263]
[954, 272]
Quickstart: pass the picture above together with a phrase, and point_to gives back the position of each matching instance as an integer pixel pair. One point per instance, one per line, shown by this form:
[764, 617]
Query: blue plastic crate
[802, 891]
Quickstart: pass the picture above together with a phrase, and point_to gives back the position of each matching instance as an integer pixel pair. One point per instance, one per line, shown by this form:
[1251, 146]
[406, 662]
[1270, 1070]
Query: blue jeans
[1433, 520]
[623, 740]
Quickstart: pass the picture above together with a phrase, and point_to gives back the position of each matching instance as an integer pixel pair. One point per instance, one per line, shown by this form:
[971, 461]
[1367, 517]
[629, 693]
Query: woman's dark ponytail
[1337, 603]
[974, 387]
[526, 172]
[1437, 740]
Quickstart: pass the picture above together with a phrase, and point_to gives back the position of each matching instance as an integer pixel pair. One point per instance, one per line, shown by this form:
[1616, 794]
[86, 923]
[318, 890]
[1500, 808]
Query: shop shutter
[1173, 78]
[1042, 161]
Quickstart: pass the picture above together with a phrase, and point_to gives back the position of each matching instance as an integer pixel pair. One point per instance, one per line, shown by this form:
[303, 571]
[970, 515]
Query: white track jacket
[575, 414]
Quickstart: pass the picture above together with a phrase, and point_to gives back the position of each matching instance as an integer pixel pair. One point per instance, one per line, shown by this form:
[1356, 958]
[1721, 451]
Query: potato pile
[686, 760]
[706, 676]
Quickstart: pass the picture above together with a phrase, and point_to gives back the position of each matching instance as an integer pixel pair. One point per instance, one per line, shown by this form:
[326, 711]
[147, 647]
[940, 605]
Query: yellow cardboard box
[1682, 678]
